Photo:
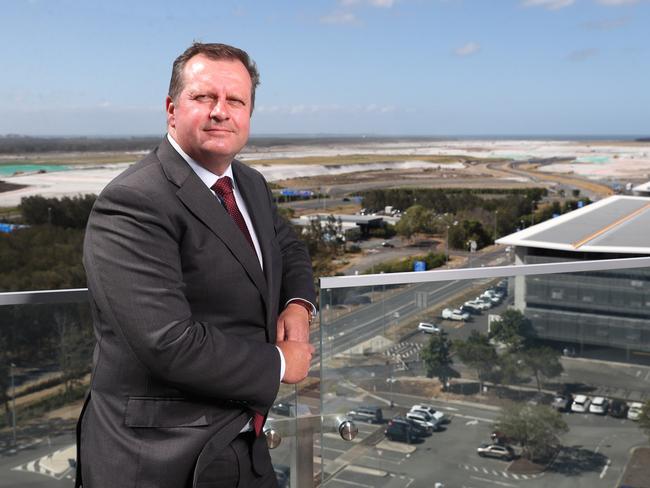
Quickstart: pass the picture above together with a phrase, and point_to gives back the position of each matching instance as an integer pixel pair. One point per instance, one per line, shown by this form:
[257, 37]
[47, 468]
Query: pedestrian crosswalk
[405, 351]
[494, 472]
[58, 465]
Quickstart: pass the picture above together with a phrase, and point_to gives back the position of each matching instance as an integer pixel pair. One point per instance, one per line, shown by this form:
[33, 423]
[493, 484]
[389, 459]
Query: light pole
[447, 246]
[13, 401]
[496, 219]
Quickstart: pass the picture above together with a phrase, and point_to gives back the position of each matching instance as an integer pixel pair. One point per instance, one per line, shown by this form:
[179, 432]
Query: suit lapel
[253, 194]
[204, 205]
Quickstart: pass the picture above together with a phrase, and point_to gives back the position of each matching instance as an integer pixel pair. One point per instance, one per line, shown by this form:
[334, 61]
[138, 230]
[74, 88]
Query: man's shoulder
[246, 169]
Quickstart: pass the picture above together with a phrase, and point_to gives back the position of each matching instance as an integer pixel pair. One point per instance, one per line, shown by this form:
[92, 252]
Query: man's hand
[297, 358]
[293, 324]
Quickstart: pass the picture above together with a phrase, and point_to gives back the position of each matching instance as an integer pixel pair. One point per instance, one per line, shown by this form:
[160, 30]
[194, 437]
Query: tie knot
[223, 186]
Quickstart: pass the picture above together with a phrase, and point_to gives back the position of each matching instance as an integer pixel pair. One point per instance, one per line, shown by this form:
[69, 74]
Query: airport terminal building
[602, 314]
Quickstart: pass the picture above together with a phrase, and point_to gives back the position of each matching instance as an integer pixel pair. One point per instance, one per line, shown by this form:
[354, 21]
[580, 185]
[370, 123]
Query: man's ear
[170, 108]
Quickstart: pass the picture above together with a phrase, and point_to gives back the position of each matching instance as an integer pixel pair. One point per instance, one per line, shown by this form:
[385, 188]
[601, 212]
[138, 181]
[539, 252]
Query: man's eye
[201, 98]
[236, 101]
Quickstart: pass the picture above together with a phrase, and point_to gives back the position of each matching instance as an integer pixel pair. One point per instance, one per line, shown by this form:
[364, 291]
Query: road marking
[647, 376]
[383, 460]
[602, 473]
[472, 417]
[339, 480]
[495, 473]
[638, 373]
[471, 422]
[451, 409]
[486, 480]
[485, 471]
[515, 476]
[56, 465]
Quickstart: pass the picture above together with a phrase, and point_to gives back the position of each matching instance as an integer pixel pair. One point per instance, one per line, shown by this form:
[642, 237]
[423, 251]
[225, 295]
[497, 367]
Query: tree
[416, 219]
[542, 361]
[644, 418]
[477, 353]
[437, 358]
[513, 329]
[535, 428]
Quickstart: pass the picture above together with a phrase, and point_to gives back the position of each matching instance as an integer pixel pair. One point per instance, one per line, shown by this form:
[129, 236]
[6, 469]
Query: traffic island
[637, 470]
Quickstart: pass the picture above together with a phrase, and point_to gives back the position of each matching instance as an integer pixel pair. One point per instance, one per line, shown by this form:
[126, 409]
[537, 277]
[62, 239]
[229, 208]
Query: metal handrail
[478, 273]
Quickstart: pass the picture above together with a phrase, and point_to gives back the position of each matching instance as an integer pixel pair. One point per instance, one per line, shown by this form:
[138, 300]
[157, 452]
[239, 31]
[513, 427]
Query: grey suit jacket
[185, 321]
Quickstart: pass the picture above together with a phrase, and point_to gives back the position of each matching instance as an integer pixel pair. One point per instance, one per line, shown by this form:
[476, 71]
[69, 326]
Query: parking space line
[494, 482]
[354, 483]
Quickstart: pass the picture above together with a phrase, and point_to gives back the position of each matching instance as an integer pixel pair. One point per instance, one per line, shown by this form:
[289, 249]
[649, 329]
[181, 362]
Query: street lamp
[496, 217]
[13, 401]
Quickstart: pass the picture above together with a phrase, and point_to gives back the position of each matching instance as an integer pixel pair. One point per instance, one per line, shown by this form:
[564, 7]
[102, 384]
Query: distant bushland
[15, 144]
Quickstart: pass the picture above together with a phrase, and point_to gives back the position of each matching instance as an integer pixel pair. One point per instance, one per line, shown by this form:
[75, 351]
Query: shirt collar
[206, 176]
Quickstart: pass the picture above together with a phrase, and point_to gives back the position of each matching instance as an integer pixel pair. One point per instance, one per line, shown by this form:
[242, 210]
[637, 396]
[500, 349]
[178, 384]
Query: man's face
[210, 118]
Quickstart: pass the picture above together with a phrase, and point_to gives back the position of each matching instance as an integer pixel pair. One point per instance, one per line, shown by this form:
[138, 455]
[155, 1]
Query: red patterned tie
[223, 189]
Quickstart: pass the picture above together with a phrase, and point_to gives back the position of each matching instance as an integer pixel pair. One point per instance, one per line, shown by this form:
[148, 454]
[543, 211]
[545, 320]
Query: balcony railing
[370, 354]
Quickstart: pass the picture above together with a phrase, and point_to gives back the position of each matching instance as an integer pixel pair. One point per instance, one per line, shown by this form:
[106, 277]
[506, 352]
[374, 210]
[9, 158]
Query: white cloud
[382, 3]
[339, 17]
[582, 54]
[617, 3]
[467, 49]
[548, 4]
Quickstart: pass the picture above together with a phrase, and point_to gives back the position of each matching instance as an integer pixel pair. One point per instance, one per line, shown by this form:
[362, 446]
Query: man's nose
[220, 110]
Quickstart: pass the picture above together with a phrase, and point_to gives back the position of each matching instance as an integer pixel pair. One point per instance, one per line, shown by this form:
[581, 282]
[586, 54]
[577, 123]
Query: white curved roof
[618, 224]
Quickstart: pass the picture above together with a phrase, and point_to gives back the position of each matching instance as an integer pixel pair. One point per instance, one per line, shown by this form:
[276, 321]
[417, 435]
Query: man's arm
[297, 281]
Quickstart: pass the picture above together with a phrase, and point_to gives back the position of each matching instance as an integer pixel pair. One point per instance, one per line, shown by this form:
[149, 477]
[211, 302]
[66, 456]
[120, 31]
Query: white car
[634, 412]
[479, 304]
[599, 405]
[428, 328]
[454, 314]
[438, 416]
[423, 419]
[580, 404]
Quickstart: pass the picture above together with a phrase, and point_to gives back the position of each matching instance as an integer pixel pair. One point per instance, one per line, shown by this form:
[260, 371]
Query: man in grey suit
[201, 297]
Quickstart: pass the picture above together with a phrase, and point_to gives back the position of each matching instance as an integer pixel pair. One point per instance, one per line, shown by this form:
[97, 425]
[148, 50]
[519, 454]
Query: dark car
[282, 408]
[401, 430]
[370, 414]
[417, 428]
[282, 474]
[562, 402]
[470, 309]
[618, 409]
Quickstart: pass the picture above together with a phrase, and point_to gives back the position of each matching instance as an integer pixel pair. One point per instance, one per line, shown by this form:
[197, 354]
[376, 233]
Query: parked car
[423, 419]
[370, 414]
[480, 303]
[283, 409]
[428, 328]
[562, 402]
[618, 409]
[282, 474]
[418, 429]
[470, 309]
[496, 451]
[403, 431]
[634, 410]
[439, 416]
[580, 404]
[454, 314]
[387, 244]
[599, 405]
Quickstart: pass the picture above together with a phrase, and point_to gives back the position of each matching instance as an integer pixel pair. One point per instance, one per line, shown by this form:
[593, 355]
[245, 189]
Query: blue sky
[401, 67]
